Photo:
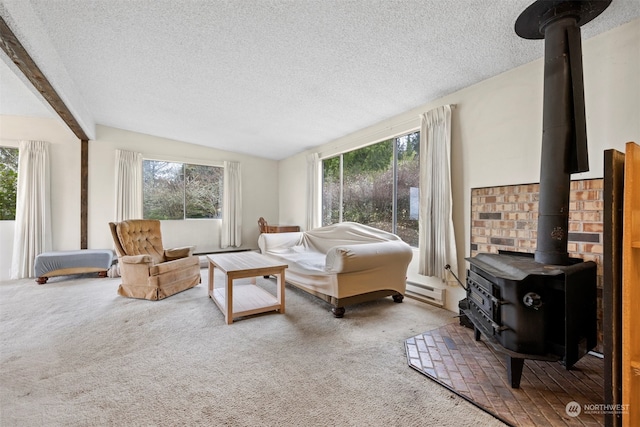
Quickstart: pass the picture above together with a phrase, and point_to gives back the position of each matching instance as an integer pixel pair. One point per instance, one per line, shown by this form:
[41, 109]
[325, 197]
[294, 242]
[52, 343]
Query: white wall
[64, 151]
[497, 129]
[259, 188]
[6, 238]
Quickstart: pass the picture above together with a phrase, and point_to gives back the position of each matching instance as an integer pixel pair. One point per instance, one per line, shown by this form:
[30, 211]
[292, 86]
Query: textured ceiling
[264, 77]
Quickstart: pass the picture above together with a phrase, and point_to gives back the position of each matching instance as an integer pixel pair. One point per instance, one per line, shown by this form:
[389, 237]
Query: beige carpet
[74, 353]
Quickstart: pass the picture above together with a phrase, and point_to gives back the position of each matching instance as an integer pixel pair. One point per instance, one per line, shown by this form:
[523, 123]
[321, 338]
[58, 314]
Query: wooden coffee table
[245, 299]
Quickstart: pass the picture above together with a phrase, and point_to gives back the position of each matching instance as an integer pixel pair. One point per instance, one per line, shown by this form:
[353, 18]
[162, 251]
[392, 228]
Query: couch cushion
[307, 260]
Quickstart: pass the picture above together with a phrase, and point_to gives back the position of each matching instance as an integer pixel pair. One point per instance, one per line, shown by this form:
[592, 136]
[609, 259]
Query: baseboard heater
[426, 293]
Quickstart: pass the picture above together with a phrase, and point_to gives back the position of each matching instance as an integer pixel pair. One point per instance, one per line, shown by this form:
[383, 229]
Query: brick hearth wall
[505, 218]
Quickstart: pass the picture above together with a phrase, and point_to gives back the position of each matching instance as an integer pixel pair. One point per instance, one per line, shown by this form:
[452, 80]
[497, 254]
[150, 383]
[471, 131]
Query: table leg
[211, 273]
[228, 300]
[280, 289]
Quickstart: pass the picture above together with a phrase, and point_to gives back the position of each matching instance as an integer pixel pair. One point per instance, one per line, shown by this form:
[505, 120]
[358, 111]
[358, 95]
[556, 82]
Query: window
[376, 185]
[8, 182]
[174, 190]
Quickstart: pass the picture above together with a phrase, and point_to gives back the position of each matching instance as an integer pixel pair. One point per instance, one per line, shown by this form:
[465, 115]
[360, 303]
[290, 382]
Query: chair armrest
[175, 265]
[134, 269]
[136, 259]
[366, 256]
[177, 253]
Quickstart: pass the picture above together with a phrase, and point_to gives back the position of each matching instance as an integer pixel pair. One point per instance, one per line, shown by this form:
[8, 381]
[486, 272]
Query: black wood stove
[530, 310]
[543, 306]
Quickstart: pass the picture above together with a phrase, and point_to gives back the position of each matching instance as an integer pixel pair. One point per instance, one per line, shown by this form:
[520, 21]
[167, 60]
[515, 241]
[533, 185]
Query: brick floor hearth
[472, 369]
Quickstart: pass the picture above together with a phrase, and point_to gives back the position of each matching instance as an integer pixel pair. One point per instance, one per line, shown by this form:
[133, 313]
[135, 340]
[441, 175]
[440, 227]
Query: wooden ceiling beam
[19, 55]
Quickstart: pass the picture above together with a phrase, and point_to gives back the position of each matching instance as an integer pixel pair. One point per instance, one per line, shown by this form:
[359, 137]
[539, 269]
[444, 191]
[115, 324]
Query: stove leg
[514, 370]
[476, 334]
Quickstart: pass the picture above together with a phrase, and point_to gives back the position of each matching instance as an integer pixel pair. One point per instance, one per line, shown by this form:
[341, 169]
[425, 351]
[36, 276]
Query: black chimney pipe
[564, 135]
[544, 306]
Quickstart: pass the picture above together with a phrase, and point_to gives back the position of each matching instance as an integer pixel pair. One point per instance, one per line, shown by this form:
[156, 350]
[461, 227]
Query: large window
[180, 191]
[8, 182]
[376, 185]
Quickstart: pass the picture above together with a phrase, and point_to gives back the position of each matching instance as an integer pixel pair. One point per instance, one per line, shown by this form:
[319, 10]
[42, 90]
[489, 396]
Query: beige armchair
[148, 270]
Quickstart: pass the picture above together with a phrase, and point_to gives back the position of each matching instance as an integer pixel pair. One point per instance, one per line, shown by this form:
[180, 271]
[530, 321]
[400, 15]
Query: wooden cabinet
[631, 289]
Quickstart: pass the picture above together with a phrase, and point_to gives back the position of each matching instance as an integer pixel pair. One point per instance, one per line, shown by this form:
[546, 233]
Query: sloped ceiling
[269, 78]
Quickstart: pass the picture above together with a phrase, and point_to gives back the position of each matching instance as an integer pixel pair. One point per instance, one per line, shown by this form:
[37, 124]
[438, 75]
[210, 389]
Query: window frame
[394, 195]
[185, 161]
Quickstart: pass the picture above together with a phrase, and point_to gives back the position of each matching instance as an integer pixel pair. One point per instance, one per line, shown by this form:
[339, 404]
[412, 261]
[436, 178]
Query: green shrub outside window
[173, 190]
[376, 185]
[8, 182]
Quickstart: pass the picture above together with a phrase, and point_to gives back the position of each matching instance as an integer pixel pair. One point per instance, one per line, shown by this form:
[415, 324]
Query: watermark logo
[603, 409]
[573, 409]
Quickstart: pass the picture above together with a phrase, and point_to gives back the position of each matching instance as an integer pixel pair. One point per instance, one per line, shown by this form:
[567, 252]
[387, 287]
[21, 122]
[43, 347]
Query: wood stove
[530, 310]
[543, 306]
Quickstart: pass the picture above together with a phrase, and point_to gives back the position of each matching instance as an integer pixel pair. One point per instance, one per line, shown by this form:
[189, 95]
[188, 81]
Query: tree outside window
[174, 190]
[376, 185]
[8, 182]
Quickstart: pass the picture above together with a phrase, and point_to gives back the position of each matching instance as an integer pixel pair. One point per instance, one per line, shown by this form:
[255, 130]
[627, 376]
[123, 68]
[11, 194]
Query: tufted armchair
[148, 270]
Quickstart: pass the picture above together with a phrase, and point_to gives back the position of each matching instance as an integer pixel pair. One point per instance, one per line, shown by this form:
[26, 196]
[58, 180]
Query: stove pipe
[564, 133]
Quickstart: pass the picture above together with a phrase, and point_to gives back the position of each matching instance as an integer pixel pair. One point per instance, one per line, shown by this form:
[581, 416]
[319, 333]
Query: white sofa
[343, 263]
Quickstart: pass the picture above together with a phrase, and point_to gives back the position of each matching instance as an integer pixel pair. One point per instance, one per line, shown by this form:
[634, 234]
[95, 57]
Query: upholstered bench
[62, 263]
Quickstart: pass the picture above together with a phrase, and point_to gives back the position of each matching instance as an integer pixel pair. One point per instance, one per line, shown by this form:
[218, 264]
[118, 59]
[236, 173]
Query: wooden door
[631, 289]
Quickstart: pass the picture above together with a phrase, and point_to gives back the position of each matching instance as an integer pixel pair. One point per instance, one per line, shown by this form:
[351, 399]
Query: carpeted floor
[73, 353]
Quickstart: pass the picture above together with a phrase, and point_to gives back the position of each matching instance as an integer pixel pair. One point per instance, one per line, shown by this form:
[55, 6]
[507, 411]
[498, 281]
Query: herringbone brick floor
[472, 369]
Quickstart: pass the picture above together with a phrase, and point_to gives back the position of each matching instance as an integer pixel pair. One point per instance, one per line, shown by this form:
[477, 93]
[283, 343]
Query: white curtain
[437, 238]
[231, 206]
[33, 208]
[128, 185]
[313, 191]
